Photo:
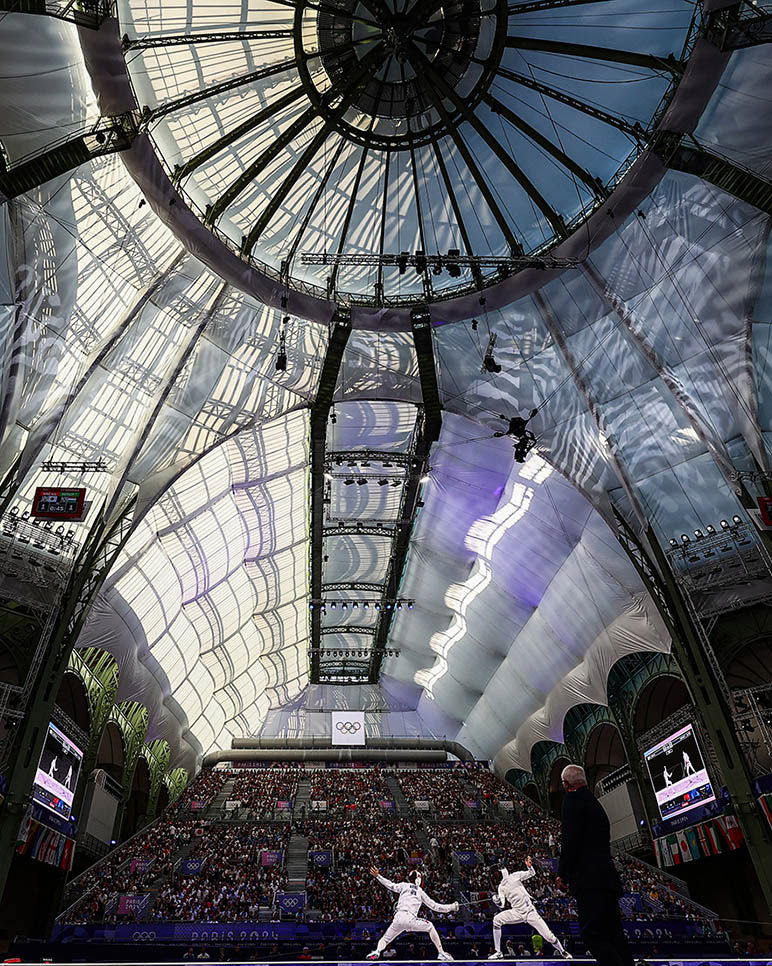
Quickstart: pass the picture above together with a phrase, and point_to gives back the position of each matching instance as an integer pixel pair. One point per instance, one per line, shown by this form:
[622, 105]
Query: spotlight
[474, 325]
[724, 524]
[383, 482]
[402, 262]
[377, 606]
[421, 263]
[361, 481]
[410, 606]
[354, 605]
[348, 481]
[685, 538]
[332, 605]
[281, 361]
[343, 605]
[673, 542]
[399, 606]
[698, 534]
[333, 417]
[736, 519]
[437, 267]
[311, 606]
[454, 269]
[710, 529]
[489, 364]
[365, 605]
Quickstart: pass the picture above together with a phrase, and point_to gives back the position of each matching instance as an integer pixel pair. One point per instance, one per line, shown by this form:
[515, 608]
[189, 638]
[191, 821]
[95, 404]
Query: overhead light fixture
[710, 529]
[489, 364]
[724, 524]
[348, 481]
[685, 538]
[673, 542]
[736, 519]
[454, 269]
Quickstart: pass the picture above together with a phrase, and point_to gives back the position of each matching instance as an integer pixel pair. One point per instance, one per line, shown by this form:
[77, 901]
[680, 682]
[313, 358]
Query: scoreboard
[58, 502]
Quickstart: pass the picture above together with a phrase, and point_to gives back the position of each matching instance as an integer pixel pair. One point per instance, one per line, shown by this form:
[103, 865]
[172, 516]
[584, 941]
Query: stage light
[343, 605]
[402, 262]
[332, 605]
[421, 263]
[377, 606]
[365, 605]
[349, 481]
[454, 269]
[710, 529]
[281, 361]
[475, 323]
[399, 606]
[410, 606]
[736, 519]
[698, 534]
[724, 524]
[383, 482]
[685, 538]
[354, 605]
[673, 542]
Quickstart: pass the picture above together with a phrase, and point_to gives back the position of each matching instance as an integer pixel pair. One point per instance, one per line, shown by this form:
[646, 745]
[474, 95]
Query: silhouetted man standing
[588, 870]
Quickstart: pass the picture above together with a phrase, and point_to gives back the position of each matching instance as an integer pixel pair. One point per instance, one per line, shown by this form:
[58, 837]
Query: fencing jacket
[513, 891]
[412, 897]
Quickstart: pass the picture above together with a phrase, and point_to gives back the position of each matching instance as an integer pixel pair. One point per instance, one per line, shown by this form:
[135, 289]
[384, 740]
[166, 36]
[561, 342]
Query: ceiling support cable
[605, 440]
[634, 130]
[320, 411]
[479, 178]
[422, 64]
[427, 433]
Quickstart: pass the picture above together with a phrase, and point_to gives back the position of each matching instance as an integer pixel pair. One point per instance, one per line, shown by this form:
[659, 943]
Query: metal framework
[320, 412]
[83, 13]
[107, 136]
[688, 155]
[467, 133]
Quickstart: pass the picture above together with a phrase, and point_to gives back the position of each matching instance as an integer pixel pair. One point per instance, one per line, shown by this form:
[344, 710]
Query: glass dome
[318, 137]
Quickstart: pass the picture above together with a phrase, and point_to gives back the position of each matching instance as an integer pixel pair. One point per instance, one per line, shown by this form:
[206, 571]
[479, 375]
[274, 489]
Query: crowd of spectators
[261, 789]
[230, 880]
[343, 788]
[444, 790]
[119, 874]
[233, 882]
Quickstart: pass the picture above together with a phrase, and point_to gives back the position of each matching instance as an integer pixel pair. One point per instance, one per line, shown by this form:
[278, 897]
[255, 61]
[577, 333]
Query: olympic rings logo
[143, 936]
[348, 727]
[290, 902]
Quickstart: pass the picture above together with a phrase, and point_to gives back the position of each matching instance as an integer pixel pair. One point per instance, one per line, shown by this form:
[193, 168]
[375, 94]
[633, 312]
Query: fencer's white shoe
[445, 957]
[496, 956]
[373, 955]
[564, 954]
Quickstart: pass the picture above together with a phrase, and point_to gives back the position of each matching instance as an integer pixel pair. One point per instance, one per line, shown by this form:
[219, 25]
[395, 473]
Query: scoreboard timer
[58, 502]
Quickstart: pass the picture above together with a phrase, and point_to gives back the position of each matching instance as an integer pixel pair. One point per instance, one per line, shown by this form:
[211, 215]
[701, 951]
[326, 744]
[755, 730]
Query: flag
[713, 837]
[675, 851]
[683, 847]
[694, 842]
[664, 855]
[766, 806]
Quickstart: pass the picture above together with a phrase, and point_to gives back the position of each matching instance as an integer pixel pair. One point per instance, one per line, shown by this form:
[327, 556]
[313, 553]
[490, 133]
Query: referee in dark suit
[588, 870]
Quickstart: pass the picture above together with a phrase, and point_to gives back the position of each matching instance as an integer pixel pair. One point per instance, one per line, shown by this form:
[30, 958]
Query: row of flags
[720, 834]
[45, 844]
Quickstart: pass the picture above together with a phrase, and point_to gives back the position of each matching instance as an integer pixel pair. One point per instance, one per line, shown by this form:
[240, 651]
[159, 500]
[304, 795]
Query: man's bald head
[573, 777]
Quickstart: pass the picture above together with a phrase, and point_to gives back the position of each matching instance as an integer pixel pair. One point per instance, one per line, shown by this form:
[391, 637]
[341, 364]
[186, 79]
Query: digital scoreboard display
[57, 773]
[59, 502]
[678, 774]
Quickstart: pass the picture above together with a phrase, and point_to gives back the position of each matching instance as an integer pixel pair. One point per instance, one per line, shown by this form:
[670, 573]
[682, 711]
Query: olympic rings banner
[348, 727]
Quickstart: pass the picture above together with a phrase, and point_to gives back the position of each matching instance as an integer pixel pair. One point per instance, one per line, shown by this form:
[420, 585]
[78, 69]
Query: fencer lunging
[513, 892]
[406, 918]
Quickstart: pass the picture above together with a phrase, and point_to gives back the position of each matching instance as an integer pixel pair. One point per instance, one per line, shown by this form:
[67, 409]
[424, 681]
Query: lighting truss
[397, 603]
[74, 466]
[424, 261]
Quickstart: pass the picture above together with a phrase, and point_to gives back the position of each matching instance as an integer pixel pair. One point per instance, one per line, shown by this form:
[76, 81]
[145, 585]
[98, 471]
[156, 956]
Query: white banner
[507, 806]
[348, 727]
[232, 803]
[421, 806]
[319, 806]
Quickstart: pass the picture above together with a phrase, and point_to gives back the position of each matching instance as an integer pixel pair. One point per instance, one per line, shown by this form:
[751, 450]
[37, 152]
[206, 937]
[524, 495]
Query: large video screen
[57, 773]
[678, 774]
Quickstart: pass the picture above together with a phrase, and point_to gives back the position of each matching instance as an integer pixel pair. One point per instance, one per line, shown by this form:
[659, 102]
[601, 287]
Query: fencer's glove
[498, 901]
[454, 907]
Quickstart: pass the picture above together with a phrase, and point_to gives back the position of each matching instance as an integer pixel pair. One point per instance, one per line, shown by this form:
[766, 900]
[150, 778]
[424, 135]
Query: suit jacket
[585, 857]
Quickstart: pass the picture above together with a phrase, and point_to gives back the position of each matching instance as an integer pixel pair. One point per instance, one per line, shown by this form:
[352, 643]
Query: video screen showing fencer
[678, 774]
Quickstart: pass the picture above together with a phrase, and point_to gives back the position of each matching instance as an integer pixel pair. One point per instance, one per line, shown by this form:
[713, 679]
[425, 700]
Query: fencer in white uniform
[512, 892]
[406, 918]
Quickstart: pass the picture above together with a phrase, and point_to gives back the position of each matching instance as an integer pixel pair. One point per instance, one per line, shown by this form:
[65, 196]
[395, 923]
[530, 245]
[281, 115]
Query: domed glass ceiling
[370, 127]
